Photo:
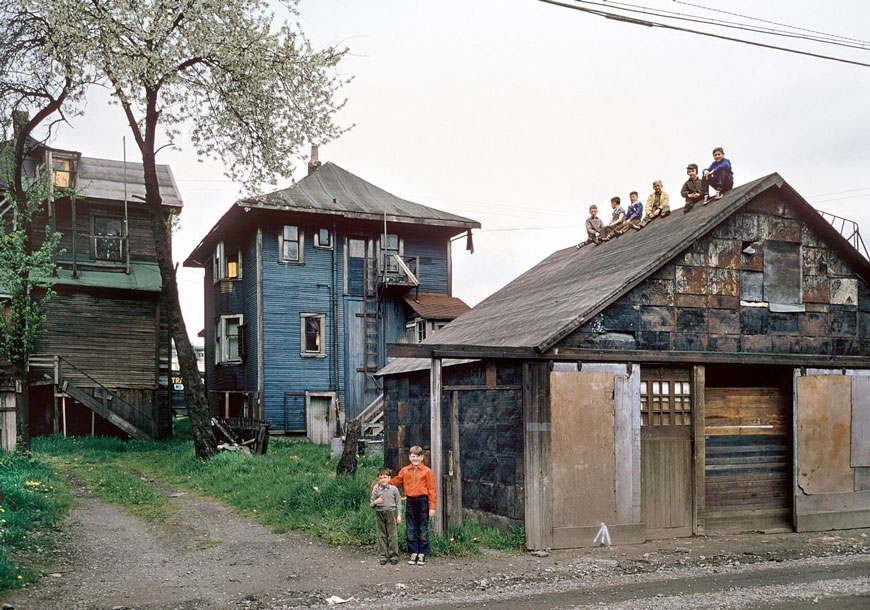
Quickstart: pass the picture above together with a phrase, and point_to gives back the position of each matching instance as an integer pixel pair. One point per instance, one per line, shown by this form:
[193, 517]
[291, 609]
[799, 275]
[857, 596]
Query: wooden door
[317, 419]
[747, 459]
[666, 452]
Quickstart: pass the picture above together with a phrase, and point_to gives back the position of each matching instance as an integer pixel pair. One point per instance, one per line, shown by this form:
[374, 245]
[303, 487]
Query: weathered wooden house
[101, 364]
[710, 373]
[305, 286]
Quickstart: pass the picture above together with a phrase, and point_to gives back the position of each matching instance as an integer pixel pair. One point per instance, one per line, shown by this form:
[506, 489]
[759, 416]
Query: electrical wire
[785, 25]
[654, 24]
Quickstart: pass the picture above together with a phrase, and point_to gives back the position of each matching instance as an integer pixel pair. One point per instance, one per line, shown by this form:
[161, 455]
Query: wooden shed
[707, 374]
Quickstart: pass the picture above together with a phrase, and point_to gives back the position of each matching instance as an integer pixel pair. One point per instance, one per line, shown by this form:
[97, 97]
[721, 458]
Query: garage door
[748, 460]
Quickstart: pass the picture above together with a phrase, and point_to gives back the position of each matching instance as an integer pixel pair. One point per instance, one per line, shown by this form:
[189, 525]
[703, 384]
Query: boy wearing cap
[691, 190]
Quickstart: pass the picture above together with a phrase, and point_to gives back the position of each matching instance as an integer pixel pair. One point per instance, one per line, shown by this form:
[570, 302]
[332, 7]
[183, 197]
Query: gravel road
[206, 557]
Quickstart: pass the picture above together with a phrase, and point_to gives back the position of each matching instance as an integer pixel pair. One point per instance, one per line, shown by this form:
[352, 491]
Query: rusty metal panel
[782, 272]
[813, 324]
[725, 282]
[759, 344]
[824, 417]
[751, 286]
[691, 280]
[815, 261]
[809, 237]
[657, 318]
[724, 343]
[767, 205]
[695, 255]
[844, 291]
[860, 421]
[836, 264]
[584, 491]
[754, 261]
[725, 253]
[816, 289]
[783, 229]
[690, 300]
[815, 345]
[717, 301]
[653, 292]
[745, 227]
[724, 322]
[817, 307]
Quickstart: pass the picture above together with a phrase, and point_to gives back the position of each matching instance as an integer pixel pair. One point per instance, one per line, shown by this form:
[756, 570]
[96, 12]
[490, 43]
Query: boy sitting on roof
[691, 190]
[634, 214]
[616, 220]
[719, 175]
[594, 225]
[656, 204]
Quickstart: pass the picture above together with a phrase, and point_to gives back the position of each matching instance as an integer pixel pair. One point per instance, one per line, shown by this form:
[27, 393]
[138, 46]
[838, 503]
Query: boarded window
[751, 286]
[389, 252]
[782, 272]
[312, 334]
[108, 240]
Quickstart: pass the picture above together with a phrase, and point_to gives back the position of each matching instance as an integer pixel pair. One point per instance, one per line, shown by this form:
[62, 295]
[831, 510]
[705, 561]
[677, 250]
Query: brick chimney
[314, 162]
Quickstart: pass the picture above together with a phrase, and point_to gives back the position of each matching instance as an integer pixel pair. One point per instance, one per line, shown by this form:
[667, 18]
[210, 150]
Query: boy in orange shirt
[418, 482]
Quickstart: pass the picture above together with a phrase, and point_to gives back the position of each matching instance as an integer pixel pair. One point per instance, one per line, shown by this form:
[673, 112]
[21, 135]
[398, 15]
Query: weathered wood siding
[432, 250]
[111, 339]
[694, 302]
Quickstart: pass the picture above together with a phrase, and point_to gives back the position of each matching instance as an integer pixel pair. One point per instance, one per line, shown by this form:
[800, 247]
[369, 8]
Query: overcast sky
[520, 114]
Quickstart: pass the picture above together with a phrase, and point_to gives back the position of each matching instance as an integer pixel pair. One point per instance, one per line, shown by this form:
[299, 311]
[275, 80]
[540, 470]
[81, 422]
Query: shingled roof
[436, 306]
[332, 190]
[106, 179]
[565, 290]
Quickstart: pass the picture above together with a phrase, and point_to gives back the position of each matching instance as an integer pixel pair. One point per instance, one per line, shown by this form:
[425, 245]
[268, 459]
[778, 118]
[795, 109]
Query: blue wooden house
[305, 286]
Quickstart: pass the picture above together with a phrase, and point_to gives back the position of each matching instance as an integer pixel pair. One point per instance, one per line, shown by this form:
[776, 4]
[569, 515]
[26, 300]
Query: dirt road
[208, 557]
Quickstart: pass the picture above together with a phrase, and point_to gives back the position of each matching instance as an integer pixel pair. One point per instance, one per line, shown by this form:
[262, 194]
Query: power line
[654, 24]
[634, 8]
[785, 25]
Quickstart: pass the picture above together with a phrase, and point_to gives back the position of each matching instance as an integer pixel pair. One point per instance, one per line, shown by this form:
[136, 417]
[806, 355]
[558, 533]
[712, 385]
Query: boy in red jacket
[418, 482]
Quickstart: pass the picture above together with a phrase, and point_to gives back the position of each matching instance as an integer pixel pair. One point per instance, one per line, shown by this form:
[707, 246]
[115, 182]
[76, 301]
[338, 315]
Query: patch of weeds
[33, 502]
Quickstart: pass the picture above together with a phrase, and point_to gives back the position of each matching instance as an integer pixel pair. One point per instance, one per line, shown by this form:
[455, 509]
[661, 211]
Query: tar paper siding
[490, 432]
[696, 302]
[249, 310]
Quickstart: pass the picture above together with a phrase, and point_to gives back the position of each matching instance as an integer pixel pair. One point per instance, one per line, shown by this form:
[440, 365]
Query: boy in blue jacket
[719, 175]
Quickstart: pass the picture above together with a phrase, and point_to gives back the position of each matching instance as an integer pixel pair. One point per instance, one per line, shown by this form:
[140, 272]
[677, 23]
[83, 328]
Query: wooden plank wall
[583, 472]
[112, 339]
[824, 433]
[538, 455]
[747, 459]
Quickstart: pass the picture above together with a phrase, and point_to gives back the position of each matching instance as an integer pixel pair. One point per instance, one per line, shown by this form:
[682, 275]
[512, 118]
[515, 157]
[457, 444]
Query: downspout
[260, 383]
[126, 240]
[335, 324]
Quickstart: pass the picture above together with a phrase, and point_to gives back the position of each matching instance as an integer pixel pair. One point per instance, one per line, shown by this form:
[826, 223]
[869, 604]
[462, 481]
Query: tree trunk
[22, 404]
[347, 463]
[204, 440]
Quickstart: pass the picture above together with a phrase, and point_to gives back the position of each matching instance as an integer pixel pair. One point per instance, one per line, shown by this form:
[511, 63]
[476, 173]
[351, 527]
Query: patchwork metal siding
[433, 261]
[288, 290]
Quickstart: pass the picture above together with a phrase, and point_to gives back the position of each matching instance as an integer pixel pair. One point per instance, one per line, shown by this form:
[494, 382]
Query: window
[390, 247]
[229, 339]
[313, 334]
[227, 262]
[782, 273]
[323, 239]
[421, 331]
[291, 245]
[665, 402]
[60, 172]
[108, 239]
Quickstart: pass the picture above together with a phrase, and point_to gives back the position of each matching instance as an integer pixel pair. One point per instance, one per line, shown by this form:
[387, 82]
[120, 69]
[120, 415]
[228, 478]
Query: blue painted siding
[249, 310]
[288, 291]
[432, 251]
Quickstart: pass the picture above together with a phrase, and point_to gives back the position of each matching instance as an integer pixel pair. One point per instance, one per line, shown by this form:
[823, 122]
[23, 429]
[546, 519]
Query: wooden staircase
[372, 417]
[108, 405]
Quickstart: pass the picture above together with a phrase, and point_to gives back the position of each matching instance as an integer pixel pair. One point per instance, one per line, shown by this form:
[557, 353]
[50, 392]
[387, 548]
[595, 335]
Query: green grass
[292, 487]
[33, 502]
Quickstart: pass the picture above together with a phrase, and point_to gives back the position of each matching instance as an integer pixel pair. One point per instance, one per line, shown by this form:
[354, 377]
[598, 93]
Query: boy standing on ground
[691, 190]
[594, 225]
[719, 175]
[387, 503]
[656, 204]
[421, 498]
